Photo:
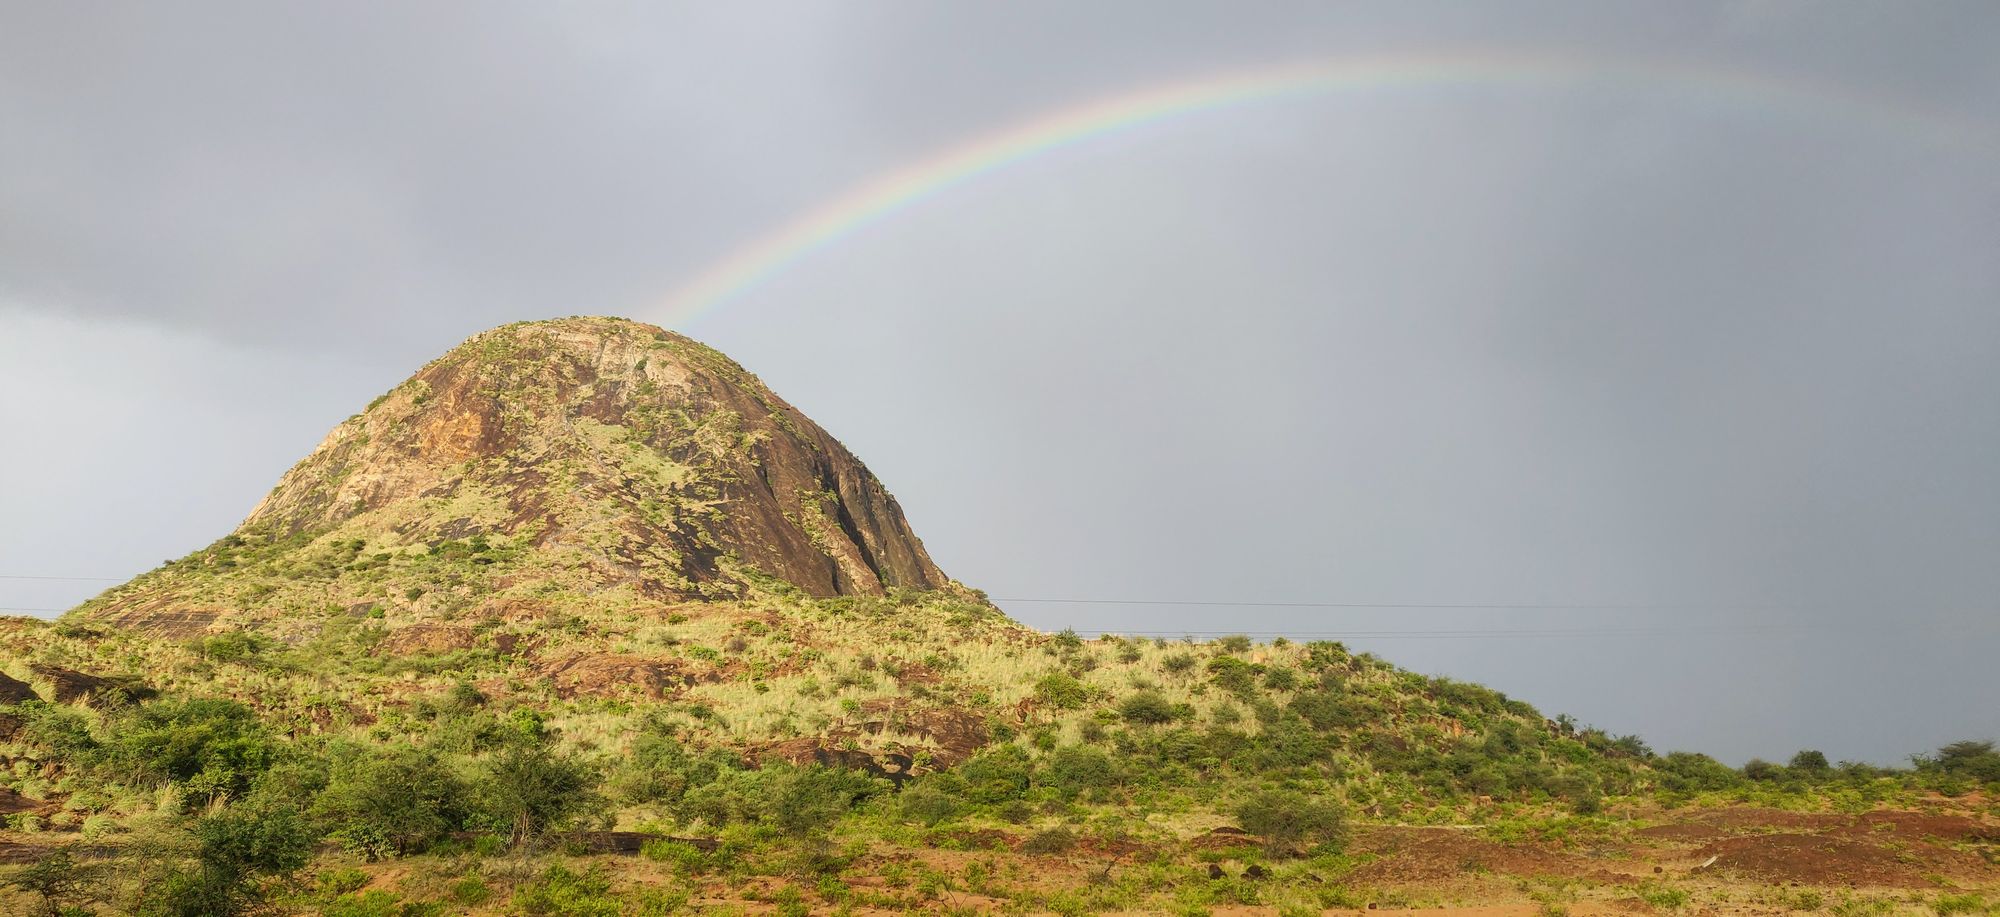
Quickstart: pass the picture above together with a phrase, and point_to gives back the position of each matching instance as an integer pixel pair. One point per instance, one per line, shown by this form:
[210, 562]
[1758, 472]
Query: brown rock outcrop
[647, 424]
[603, 452]
[14, 691]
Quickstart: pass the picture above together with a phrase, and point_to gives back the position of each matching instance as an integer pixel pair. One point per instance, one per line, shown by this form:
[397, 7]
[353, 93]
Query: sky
[1670, 349]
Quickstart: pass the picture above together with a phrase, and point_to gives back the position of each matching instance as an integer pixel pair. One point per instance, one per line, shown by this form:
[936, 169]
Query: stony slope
[588, 454]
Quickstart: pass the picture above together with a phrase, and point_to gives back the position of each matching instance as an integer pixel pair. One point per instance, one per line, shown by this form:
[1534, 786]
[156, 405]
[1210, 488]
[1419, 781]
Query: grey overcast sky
[1719, 339]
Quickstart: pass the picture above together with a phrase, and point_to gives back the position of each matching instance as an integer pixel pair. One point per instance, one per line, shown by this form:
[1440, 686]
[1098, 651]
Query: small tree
[392, 802]
[530, 791]
[64, 884]
[1810, 763]
[1285, 819]
[236, 850]
[1146, 707]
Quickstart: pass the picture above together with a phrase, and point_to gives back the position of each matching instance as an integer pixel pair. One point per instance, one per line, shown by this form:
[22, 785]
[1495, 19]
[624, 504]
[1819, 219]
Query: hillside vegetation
[584, 620]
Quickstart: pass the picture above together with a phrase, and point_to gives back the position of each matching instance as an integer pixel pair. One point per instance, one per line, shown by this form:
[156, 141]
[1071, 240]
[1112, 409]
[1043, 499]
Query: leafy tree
[214, 746]
[530, 791]
[1287, 818]
[235, 850]
[1234, 675]
[1062, 691]
[1977, 760]
[1687, 772]
[1073, 769]
[388, 803]
[999, 774]
[928, 803]
[1763, 771]
[1325, 710]
[1147, 708]
[1810, 763]
[61, 732]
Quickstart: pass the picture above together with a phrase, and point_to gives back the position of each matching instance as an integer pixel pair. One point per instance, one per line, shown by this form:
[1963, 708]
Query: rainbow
[842, 216]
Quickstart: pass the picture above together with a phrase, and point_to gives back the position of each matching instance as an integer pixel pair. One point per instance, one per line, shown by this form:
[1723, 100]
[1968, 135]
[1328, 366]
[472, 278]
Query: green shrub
[1974, 760]
[235, 646]
[469, 890]
[1761, 770]
[1233, 675]
[999, 774]
[1073, 769]
[1664, 897]
[799, 801]
[215, 747]
[1968, 903]
[1285, 819]
[1050, 842]
[1325, 710]
[235, 849]
[1686, 772]
[1147, 708]
[928, 804]
[529, 791]
[1062, 691]
[1809, 763]
[679, 853]
[391, 802]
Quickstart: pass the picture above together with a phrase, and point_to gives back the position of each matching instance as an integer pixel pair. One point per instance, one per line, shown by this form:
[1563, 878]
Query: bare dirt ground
[1716, 861]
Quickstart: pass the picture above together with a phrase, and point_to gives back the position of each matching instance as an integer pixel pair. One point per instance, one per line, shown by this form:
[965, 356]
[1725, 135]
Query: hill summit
[591, 452]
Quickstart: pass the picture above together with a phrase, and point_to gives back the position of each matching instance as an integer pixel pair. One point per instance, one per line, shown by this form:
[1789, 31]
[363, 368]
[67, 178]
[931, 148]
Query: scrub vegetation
[583, 620]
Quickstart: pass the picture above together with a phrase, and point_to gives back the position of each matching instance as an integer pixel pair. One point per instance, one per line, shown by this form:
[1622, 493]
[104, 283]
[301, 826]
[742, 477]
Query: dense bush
[1062, 691]
[1971, 760]
[1147, 708]
[659, 768]
[1286, 819]
[929, 803]
[1810, 763]
[1686, 772]
[1072, 770]
[1234, 675]
[794, 800]
[529, 791]
[236, 850]
[1326, 710]
[214, 747]
[997, 775]
[391, 802]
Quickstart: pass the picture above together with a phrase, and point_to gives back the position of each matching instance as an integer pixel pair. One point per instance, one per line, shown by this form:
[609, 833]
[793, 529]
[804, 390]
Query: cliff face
[610, 451]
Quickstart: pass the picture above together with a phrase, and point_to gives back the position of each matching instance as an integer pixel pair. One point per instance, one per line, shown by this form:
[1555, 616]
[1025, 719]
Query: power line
[80, 579]
[1363, 605]
[1465, 606]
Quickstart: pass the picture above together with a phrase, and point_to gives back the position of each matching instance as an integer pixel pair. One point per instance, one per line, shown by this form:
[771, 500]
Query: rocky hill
[591, 454]
[585, 593]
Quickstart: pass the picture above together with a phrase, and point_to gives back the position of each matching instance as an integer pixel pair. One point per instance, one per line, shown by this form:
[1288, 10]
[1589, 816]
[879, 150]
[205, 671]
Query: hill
[585, 587]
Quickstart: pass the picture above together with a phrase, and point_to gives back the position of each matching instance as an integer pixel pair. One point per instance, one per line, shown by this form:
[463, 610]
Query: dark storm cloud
[1588, 342]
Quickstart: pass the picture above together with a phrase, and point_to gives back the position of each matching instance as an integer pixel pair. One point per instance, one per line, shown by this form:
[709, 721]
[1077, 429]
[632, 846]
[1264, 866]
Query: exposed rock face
[68, 686]
[609, 450]
[13, 691]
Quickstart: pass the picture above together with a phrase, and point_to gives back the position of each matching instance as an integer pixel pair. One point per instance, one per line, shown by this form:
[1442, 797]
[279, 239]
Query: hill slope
[586, 574]
[584, 454]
